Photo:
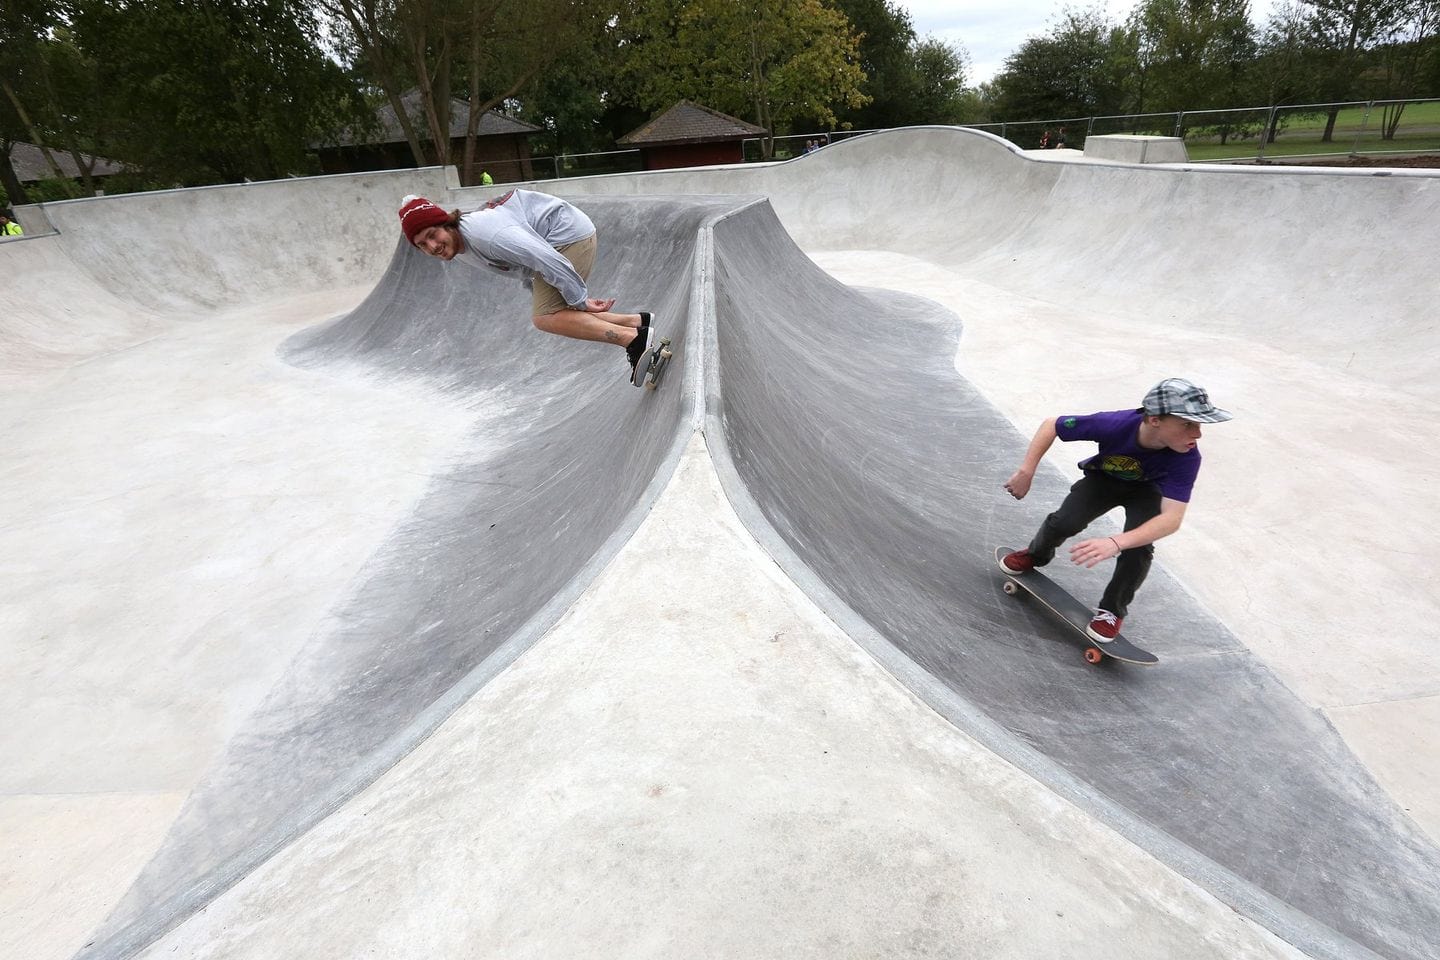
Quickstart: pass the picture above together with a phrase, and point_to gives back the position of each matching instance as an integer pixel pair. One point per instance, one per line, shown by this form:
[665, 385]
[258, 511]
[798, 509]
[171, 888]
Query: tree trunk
[35, 136]
[367, 32]
[1390, 120]
[14, 189]
[1330, 116]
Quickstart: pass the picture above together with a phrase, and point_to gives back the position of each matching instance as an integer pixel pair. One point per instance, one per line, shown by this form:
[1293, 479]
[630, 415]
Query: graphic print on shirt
[1121, 467]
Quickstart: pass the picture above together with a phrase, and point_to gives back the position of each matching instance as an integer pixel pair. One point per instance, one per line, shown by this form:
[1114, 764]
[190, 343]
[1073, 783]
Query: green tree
[206, 91]
[30, 102]
[940, 96]
[1082, 67]
[489, 50]
[1399, 73]
[774, 62]
[886, 57]
[1194, 52]
[1284, 68]
[1343, 33]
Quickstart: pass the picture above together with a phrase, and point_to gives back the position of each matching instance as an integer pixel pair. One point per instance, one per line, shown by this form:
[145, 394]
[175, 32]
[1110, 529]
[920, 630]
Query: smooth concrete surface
[800, 803]
[560, 453]
[1001, 238]
[883, 488]
[1129, 148]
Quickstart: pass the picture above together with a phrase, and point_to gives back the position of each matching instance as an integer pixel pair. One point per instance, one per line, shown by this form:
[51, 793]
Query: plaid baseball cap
[1181, 398]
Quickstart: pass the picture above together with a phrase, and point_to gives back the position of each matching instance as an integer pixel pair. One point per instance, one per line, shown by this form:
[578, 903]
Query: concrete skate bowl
[1261, 256]
[852, 475]
[110, 272]
[870, 467]
[565, 459]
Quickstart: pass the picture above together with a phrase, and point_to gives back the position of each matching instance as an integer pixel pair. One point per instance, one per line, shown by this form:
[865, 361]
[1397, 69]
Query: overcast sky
[993, 29]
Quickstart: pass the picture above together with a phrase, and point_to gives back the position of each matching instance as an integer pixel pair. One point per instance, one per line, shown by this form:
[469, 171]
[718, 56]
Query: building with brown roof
[690, 135]
[502, 144]
[31, 167]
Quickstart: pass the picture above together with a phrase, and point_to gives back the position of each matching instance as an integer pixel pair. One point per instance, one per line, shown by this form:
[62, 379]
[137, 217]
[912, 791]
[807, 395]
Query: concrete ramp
[877, 468]
[563, 462]
[847, 441]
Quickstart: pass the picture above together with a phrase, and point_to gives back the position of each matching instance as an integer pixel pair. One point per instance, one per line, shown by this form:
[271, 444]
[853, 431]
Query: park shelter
[502, 144]
[690, 135]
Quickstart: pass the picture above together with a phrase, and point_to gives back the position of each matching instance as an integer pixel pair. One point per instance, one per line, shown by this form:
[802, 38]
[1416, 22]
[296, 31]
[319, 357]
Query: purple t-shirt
[1121, 456]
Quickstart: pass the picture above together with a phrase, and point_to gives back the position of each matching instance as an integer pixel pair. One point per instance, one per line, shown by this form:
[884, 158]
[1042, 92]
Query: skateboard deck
[1073, 612]
[655, 366]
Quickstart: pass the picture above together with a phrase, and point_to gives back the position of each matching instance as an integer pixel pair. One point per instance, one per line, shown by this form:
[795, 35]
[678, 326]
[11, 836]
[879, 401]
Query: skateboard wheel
[665, 354]
[1093, 656]
[1011, 587]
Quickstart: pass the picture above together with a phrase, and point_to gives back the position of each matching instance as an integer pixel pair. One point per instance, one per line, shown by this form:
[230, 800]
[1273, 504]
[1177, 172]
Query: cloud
[991, 30]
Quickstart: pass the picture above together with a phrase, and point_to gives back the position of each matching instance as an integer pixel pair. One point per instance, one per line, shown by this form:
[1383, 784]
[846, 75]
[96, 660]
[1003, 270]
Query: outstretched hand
[598, 306]
[1092, 551]
[1019, 484]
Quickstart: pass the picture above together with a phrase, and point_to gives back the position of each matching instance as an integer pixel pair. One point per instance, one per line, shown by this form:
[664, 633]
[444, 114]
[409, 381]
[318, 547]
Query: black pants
[1092, 496]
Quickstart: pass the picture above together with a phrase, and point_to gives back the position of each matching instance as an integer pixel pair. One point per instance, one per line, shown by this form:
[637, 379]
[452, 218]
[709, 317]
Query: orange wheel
[1093, 656]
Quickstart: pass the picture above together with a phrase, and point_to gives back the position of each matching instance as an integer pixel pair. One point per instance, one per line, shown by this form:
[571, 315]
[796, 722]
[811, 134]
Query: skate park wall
[1241, 252]
[1006, 217]
[858, 447]
[563, 462]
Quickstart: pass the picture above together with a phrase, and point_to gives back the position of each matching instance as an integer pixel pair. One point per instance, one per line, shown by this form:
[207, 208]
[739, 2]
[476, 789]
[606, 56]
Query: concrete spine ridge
[862, 464]
[480, 571]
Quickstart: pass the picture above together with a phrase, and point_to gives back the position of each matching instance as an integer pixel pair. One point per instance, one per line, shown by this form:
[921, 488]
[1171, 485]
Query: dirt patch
[1428, 161]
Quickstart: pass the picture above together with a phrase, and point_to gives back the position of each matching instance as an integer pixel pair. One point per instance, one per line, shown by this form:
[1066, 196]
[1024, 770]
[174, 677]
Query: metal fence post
[1364, 124]
[1265, 134]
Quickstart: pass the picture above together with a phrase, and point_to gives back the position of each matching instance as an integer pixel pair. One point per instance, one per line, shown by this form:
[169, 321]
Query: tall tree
[30, 107]
[1399, 73]
[940, 96]
[207, 91]
[773, 62]
[489, 50]
[1195, 52]
[1083, 66]
[885, 56]
[1343, 32]
[1284, 68]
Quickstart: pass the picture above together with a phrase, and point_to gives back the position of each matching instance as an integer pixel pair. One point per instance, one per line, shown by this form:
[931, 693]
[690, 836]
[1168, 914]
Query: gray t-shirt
[521, 231]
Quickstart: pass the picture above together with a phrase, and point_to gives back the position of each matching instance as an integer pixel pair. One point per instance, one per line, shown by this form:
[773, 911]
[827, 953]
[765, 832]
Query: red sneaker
[1104, 626]
[1017, 562]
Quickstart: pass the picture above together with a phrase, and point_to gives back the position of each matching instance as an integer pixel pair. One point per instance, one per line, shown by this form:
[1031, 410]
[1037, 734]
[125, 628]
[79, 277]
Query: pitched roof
[30, 165]
[492, 123]
[688, 122]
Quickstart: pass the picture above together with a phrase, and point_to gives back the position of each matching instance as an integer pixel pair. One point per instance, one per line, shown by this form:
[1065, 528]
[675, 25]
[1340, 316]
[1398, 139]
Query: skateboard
[1073, 612]
[659, 360]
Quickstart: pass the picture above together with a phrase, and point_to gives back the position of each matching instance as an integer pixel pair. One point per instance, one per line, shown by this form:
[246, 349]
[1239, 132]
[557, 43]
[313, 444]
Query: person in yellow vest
[485, 178]
[8, 227]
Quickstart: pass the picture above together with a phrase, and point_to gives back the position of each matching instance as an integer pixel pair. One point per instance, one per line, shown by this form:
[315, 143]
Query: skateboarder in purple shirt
[550, 244]
[1147, 463]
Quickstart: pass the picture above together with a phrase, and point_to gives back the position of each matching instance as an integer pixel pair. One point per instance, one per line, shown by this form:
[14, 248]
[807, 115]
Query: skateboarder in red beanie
[551, 245]
[1147, 463]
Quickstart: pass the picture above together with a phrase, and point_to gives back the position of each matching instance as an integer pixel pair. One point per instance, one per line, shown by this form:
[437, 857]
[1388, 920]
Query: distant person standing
[546, 242]
[1045, 140]
[8, 227]
[1060, 139]
[485, 179]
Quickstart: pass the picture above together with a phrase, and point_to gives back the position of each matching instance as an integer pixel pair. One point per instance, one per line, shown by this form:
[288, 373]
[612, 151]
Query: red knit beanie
[417, 213]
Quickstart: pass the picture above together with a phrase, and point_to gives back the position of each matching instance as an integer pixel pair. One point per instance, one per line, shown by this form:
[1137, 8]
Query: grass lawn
[1283, 147]
[1419, 131]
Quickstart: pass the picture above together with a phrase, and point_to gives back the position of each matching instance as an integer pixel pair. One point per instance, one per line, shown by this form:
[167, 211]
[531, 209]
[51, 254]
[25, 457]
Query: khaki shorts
[545, 299]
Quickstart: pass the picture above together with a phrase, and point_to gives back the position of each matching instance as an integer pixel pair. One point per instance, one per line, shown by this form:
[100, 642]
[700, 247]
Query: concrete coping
[1137, 149]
